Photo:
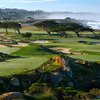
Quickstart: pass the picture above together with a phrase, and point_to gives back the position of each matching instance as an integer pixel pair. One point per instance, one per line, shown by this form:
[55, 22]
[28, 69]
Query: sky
[53, 5]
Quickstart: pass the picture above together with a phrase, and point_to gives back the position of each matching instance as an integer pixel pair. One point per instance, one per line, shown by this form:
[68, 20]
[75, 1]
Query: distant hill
[20, 14]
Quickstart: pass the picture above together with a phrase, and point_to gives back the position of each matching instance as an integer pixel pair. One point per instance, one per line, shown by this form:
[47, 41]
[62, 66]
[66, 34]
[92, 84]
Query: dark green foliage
[13, 25]
[65, 93]
[62, 55]
[41, 91]
[5, 25]
[75, 27]
[70, 91]
[38, 88]
[4, 57]
[95, 92]
[27, 35]
[46, 25]
[16, 26]
[49, 66]
[61, 30]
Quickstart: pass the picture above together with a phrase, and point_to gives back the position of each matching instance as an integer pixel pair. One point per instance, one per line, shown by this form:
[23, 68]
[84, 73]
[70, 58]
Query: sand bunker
[65, 50]
[2, 46]
[39, 41]
[60, 49]
[20, 45]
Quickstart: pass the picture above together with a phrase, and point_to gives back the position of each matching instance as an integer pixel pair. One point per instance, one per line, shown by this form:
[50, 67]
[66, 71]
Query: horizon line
[48, 11]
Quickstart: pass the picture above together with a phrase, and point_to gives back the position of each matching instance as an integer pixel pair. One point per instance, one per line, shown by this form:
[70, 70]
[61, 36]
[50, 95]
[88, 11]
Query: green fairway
[91, 58]
[92, 51]
[30, 58]
[18, 65]
[8, 50]
[34, 56]
[33, 51]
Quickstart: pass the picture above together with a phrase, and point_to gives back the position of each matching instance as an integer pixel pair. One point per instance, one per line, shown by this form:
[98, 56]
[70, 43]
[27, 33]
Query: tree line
[61, 28]
[50, 26]
[11, 25]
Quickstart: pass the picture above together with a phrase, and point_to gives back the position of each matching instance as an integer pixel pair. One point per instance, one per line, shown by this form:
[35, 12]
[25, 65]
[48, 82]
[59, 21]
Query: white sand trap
[2, 46]
[60, 49]
[21, 45]
[39, 41]
[65, 50]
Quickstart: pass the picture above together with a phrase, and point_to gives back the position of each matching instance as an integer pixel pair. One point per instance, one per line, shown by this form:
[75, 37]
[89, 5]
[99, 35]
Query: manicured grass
[34, 56]
[91, 58]
[33, 51]
[37, 34]
[8, 50]
[93, 51]
[18, 65]
[30, 58]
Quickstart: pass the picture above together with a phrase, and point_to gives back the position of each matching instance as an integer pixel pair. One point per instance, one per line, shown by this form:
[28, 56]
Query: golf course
[33, 56]
[34, 59]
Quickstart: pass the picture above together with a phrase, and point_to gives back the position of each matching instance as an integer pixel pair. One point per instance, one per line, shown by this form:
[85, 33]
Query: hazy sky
[53, 5]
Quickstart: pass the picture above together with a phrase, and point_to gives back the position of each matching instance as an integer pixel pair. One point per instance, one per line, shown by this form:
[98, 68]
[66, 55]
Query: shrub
[38, 88]
[27, 35]
[41, 91]
[70, 91]
[95, 92]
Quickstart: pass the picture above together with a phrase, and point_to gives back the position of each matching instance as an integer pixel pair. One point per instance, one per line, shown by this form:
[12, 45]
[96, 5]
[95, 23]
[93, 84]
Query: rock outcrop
[56, 77]
[65, 64]
[15, 81]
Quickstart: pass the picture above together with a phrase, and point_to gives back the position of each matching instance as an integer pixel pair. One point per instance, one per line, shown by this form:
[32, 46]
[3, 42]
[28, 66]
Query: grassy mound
[33, 51]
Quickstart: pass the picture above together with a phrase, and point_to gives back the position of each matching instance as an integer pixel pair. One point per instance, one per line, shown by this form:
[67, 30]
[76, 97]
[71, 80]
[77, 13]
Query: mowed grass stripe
[30, 57]
[19, 65]
[8, 50]
[91, 58]
[33, 51]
